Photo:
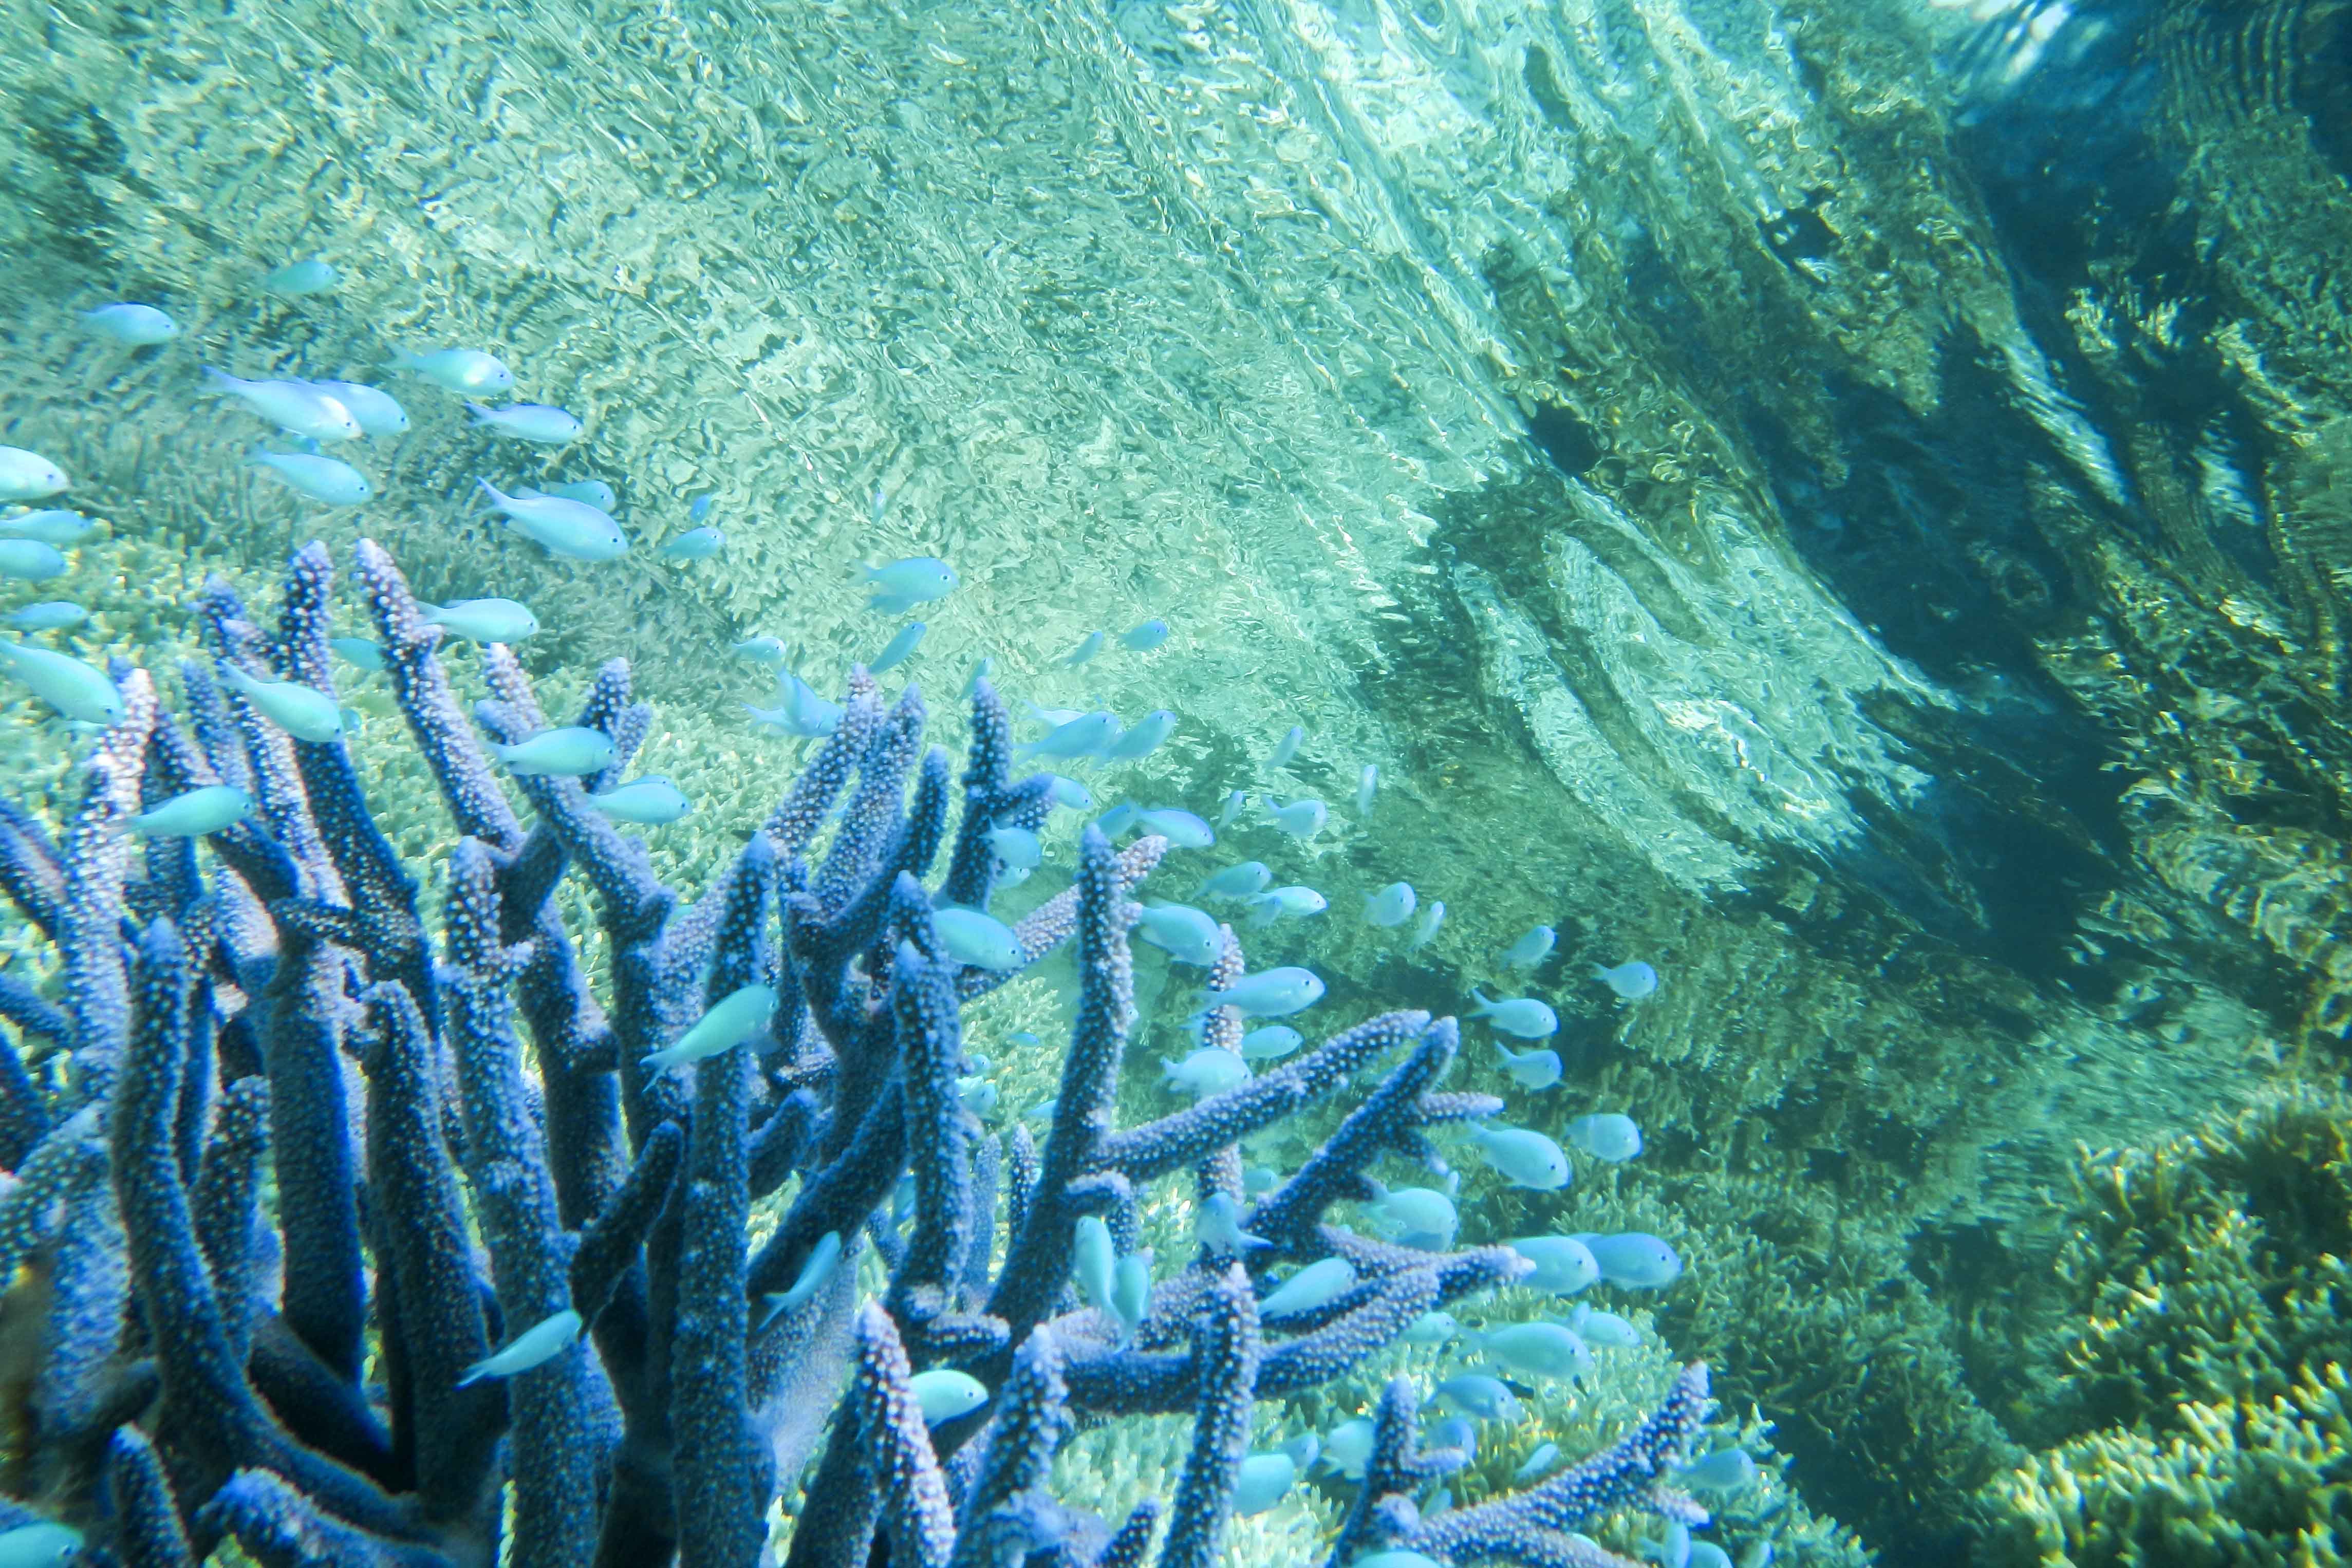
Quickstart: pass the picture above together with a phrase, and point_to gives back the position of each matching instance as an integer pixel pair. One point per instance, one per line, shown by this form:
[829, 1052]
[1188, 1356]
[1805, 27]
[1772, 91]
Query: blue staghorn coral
[469, 1145]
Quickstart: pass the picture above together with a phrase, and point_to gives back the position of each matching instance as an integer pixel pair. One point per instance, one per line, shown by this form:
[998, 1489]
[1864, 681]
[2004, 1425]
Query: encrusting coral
[2203, 1412]
[310, 1375]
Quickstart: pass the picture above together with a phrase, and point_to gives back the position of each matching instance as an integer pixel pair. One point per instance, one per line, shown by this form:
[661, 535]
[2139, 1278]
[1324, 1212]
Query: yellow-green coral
[2202, 1411]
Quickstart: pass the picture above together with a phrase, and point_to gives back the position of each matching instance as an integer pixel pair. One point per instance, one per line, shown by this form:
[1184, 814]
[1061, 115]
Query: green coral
[2198, 1409]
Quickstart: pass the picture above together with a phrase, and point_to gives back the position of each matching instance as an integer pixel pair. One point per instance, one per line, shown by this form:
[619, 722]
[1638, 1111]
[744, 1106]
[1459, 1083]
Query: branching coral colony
[296, 1374]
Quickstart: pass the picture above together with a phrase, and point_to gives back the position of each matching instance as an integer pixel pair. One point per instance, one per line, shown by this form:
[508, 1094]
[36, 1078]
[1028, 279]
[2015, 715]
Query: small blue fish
[1236, 802]
[1564, 1265]
[1144, 637]
[1634, 1260]
[377, 413]
[699, 507]
[1146, 738]
[30, 559]
[1184, 934]
[1530, 950]
[302, 712]
[1302, 818]
[1345, 1448]
[1119, 818]
[50, 615]
[1724, 1470]
[295, 406]
[1606, 1328]
[1271, 994]
[560, 525]
[1392, 906]
[1539, 1463]
[1180, 828]
[1433, 915]
[299, 278]
[1259, 1180]
[981, 941]
[734, 1019]
[1524, 1016]
[457, 370]
[1286, 748]
[1630, 981]
[1016, 847]
[1218, 1226]
[28, 476]
[1271, 1043]
[1475, 1393]
[1453, 1432]
[1530, 1069]
[1523, 1158]
[649, 802]
[903, 585]
[1130, 1292]
[139, 325]
[1261, 1482]
[70, 686]
[44, 1543]
[482, 620]
[573, 751]
[1290, 903]
[1538, 1351]
[1207, 1070]
[760, 650]
[1432, 1329]
[1420, 1217]
[694, 544]
[1368, 782]
[1069, 794]
[208, 808]
[1317, 1285]
[1083, 736]
[328, 480]
[801, 711]
[895, 653]
[528, 421]
[815, 1270]
[53, 526]
[1090, 645]
[943, 1393]
[1606, 1136]
[539, 1343]
[1093, 1261]
[1242, 881]
[976, 1095]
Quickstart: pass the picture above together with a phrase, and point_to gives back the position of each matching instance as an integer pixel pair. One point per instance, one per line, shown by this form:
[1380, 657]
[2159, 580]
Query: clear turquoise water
[1843, 503]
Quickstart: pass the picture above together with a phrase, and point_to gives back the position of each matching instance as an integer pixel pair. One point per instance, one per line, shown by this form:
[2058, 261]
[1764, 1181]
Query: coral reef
[277, 1109]
[2198, 1408]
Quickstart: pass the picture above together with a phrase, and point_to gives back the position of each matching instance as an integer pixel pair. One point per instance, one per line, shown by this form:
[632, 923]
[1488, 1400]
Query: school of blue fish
[1492, 1365]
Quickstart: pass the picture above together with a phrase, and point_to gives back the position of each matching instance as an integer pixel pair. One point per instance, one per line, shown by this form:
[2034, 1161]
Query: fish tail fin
[491, 490]
[219, 380]
[258, 458]
[482, 415]
[477, 1373]
[402, 359]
